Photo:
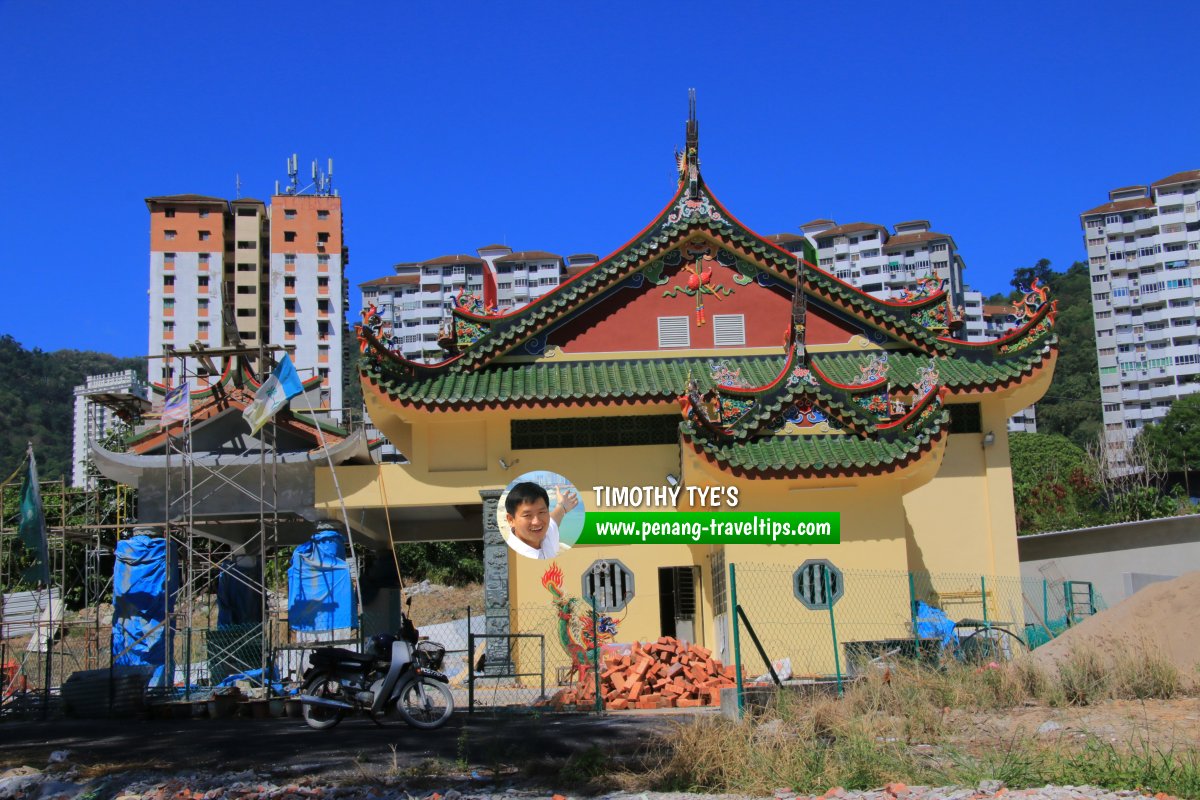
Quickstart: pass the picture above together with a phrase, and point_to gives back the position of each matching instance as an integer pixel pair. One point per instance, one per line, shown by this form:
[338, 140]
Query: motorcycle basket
[429, 655]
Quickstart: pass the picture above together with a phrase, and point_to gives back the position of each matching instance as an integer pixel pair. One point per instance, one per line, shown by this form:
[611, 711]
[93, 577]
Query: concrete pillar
[498, 660]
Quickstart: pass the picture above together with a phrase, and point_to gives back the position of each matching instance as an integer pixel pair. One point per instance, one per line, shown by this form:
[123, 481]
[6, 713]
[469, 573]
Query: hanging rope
[387, 515]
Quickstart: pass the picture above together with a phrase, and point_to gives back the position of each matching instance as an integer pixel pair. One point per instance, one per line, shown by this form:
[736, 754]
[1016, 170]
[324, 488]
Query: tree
[1176, 440]
[1023, 277]
[1054, 487]
[1134, 490]
[1072, 404]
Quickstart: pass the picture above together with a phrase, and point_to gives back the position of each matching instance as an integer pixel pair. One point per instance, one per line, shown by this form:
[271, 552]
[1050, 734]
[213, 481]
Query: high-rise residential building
[97, 402]
[242, 273]
[1143, 249]
[883, 264]
[414, 303]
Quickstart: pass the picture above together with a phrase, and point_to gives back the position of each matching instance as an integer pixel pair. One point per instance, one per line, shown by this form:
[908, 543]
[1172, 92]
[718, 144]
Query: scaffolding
[41, 644]
[210, 653]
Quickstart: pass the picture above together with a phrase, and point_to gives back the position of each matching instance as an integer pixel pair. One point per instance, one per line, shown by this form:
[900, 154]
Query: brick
[688, 702]
[635, 689]
[619, 681]
[618, 704]
[703, 652]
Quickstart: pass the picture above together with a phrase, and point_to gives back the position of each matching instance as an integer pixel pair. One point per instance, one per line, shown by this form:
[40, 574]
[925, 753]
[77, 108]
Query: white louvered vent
[729, 330]
[674, 332]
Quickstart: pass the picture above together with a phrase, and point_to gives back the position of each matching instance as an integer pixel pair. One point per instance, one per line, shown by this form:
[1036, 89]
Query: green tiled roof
[816, 453]
[666, 378]
[955, 372]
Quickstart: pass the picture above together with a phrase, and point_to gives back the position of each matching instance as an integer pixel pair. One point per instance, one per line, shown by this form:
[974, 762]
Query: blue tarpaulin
[320, 596]
[141, 603]
[239, 598]
[932, 623]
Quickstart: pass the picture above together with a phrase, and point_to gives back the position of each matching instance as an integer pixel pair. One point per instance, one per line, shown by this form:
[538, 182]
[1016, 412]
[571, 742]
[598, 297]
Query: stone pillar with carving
[497, 658]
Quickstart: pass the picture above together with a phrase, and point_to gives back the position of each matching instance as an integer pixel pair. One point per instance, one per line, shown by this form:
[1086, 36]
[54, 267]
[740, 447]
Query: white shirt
[549, 548]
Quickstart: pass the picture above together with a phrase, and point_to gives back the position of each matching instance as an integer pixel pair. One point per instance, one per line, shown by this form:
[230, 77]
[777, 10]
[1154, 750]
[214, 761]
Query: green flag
[33, 526]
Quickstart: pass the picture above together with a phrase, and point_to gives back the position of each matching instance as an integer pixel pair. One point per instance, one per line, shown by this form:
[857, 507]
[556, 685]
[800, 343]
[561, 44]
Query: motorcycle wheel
[425, 703]
[317, 717]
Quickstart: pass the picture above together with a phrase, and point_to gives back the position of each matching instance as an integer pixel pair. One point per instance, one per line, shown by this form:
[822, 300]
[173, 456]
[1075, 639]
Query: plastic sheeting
[932, 623]
[142, 600]
[320, 593]
[239, 596]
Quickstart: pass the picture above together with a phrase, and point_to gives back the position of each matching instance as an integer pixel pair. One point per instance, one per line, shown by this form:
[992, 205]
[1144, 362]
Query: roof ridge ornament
[688, 162]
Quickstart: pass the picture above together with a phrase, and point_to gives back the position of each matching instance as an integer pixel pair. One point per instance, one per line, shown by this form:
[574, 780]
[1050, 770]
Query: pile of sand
[1164, 616]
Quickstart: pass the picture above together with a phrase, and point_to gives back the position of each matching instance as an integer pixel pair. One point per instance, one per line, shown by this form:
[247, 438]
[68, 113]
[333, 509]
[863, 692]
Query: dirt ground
[1161, 723]
[515, 742]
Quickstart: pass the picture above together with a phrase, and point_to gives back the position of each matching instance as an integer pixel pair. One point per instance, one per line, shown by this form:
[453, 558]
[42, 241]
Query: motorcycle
[399, 673]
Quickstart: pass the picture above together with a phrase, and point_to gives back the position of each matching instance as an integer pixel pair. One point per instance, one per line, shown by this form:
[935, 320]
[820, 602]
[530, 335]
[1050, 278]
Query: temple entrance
[677, 601]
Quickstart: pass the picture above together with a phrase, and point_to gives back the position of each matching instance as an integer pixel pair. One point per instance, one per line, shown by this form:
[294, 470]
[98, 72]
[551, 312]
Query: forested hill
[37, 401]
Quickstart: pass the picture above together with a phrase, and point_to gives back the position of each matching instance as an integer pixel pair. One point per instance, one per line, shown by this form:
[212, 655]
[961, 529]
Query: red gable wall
[628, 320]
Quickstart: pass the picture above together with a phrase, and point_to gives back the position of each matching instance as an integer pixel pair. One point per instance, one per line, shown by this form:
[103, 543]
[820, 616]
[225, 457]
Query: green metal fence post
[837, 659]
[596, 657]
[1046, 606]
[912, 611]
[983, 598]
[737, 649]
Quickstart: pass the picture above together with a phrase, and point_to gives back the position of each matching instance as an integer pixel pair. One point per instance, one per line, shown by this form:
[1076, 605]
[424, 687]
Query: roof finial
[691, 149]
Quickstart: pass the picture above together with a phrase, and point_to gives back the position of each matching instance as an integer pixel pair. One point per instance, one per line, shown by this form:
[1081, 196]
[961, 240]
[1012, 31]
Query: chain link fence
[818, 623]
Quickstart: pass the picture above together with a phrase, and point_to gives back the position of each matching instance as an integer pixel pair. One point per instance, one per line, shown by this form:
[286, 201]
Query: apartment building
[242, 272]
[1143, 249]
[97, 401]
[414, 302]
[882, 263]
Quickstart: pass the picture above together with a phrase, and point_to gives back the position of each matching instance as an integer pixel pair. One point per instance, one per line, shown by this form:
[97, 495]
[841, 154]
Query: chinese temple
[703, 353]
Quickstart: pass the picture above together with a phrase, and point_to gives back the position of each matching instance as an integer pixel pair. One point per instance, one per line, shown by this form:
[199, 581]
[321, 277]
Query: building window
[168, 259]
[168, 235]
[323, 237]
[246, 289]
[289, 304]
[289, 213]
[289, 236]
[289, 258]
[169, 327]
[322, 214]
[202, 281]
[169, 212]
[204, 236]
[594, 432]
[247, 267]
[246, 312]
[729, 330]
[965, 418]
[323, 259]
[322, 283]
[289, 326]
[247, 212]
[289, 282]
[323, 306]
[244, 245]
[202, 329]
[168, 305]
[609, 583]
[674, 332]
[202, 305]
[168, 280]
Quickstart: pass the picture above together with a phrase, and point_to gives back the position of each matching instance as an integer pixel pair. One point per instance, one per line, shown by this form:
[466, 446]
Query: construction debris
[667, 673]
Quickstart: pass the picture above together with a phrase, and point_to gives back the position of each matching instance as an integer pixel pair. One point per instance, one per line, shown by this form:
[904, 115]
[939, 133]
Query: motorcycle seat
[340, 654]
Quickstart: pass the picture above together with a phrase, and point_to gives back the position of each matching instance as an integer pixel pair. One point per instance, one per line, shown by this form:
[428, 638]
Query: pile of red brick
[663, 674]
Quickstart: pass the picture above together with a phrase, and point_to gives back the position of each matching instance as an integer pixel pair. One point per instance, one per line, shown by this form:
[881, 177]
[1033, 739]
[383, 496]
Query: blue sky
[551, 126]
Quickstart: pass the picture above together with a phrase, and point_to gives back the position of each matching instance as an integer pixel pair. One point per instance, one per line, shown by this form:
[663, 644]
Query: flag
[32, 528]
[177, 406]
[283, 385]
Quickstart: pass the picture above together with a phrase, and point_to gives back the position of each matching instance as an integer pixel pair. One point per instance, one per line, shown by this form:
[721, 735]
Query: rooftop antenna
[237, 181]
[293, 171]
